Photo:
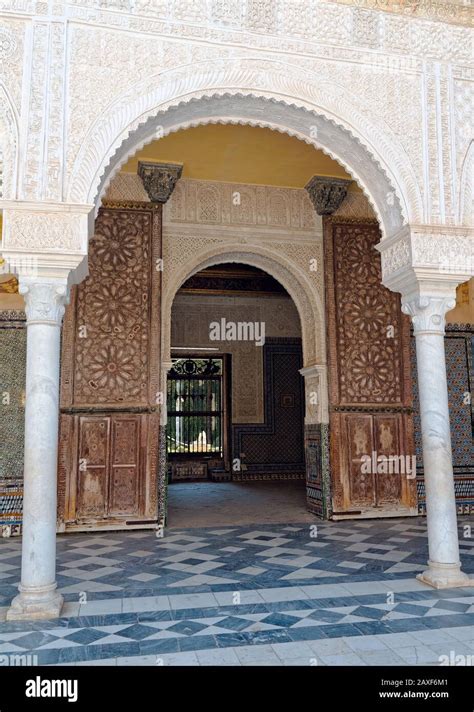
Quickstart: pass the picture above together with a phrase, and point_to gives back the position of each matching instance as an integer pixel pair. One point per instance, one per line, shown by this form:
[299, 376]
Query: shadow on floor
[209, 504]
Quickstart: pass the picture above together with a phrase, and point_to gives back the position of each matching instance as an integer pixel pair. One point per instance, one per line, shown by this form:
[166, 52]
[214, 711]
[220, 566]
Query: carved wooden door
[369, 376]
[109, 472]
[110, 375]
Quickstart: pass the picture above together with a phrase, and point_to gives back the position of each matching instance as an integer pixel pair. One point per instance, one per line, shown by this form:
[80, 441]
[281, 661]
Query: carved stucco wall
[393, 86]
[202, 227]
[191, 316]
[397, 83]
[12, 49]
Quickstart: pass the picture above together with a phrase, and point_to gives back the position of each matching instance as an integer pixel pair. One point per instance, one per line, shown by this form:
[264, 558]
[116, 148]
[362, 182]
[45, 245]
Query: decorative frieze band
[49, 241]
[12, 316]
[429, 252]
[226, 204]
[30, 228]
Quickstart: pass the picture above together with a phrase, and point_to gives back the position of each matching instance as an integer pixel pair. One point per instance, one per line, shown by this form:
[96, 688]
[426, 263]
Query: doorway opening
[198, 415]
[235, 401]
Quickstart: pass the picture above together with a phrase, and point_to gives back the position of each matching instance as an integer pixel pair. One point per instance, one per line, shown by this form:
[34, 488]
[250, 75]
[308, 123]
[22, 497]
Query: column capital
[45, 300]
[159, 179]
[327, 193]
[428, 311]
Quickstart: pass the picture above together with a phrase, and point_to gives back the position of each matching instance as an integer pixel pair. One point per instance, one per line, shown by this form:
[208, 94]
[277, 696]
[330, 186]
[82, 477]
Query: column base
[445, 576]
[35, 605]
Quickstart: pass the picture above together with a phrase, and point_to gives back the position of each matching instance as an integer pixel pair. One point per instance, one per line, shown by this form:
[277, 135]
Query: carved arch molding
[304, 295]
[291, 100]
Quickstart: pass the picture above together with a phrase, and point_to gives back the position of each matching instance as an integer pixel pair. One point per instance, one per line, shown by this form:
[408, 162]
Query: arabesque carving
[355, 61]
[110, 374]
[327, 194]
[369, 379]
[159, 179]
[277, 231]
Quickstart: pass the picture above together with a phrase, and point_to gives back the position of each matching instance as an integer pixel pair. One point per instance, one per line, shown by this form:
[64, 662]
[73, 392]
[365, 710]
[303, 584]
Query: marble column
[428, 316]
[45, 302]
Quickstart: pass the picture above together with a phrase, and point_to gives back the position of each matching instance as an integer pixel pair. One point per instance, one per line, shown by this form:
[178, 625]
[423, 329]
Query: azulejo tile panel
[12, 384]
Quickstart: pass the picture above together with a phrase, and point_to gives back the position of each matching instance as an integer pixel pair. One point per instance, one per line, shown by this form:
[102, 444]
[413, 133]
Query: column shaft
[41, 454]
[437, 455]
[38, 597]
[444, 564]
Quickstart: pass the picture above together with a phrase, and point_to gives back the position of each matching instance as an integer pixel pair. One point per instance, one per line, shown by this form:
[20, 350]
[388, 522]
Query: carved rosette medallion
[370, 362]
[112, 312]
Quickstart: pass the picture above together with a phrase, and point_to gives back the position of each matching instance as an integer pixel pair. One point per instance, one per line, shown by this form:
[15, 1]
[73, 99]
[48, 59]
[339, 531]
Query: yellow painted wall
[463, 312]
[240, 154]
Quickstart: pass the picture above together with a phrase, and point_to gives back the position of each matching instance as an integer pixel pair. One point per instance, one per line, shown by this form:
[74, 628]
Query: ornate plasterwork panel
[385, 173]
[441, 253]
[45, 242]
[196, 236]
[11, 71]
[455, 11]
[126, 186]
[281, 18]
[118, 67]
[12, 39]
[463, 94]
[43, 230]
[395, 83]
[232, 204]
[355, 205]
[8, 146]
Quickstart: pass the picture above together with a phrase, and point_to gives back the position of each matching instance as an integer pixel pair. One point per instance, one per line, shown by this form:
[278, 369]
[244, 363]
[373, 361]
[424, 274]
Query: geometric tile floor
[343, 593]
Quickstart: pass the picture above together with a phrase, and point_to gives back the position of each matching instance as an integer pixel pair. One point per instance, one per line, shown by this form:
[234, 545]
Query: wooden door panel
[359, 442]
[388, 442]
[110, 367]
[368, 371]
[125, 440]
[91, 500]
[125, 469]
[123, 491]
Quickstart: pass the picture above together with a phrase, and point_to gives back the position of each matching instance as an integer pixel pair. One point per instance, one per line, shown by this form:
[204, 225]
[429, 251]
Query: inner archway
[235, 401]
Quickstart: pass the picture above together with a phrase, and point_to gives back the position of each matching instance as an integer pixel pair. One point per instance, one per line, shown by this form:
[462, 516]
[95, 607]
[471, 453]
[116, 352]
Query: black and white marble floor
[340, 593]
